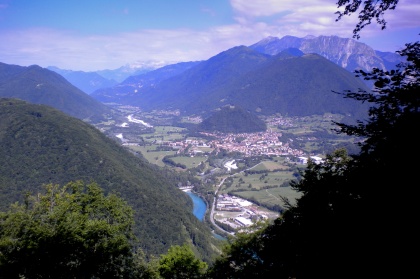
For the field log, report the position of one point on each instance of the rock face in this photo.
(347, 53)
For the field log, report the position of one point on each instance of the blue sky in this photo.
(91, 35)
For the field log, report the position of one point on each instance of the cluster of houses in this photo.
(249, 144)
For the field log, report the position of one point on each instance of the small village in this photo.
(249, 144)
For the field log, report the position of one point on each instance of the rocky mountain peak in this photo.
(345, 52)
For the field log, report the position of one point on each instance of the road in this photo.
(213, 206)
(215, 199)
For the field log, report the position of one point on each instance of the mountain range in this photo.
(291, 83)
(291, 75)
(133, 83)
(89, 82)
(347, 53)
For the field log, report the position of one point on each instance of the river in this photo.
(199, 209)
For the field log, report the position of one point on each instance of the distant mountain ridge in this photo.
(193, 89)
(88, 82)
(347, 53)
(42, 86)
(132, 84)
(132, 69)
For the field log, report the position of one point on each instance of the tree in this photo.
(181, 263)
(371, 9)
(69, 232)
(302, 243)
(386, 165)
(242, 257)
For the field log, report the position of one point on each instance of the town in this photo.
(249, 144)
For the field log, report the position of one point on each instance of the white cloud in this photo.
(255, 20)
(259, 8)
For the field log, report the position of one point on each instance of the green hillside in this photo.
(233, 120)
(298, 86)
(40, 145)
(41, 86)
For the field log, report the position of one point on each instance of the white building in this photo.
(243, 221)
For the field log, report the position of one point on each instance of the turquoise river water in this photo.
(200, 207)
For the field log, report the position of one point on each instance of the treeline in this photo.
(168, 160)
(76, 231)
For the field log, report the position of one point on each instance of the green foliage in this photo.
(371, 10)
(241, 258)
(181, 263)
(73, 231)
(168, 160)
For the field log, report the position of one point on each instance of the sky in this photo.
(92, 35)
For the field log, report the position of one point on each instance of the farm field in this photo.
(149, 152)
(267, 183)
(189, 162)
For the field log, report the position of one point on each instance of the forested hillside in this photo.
(41, 145)
(232, 120)
(41, 86)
